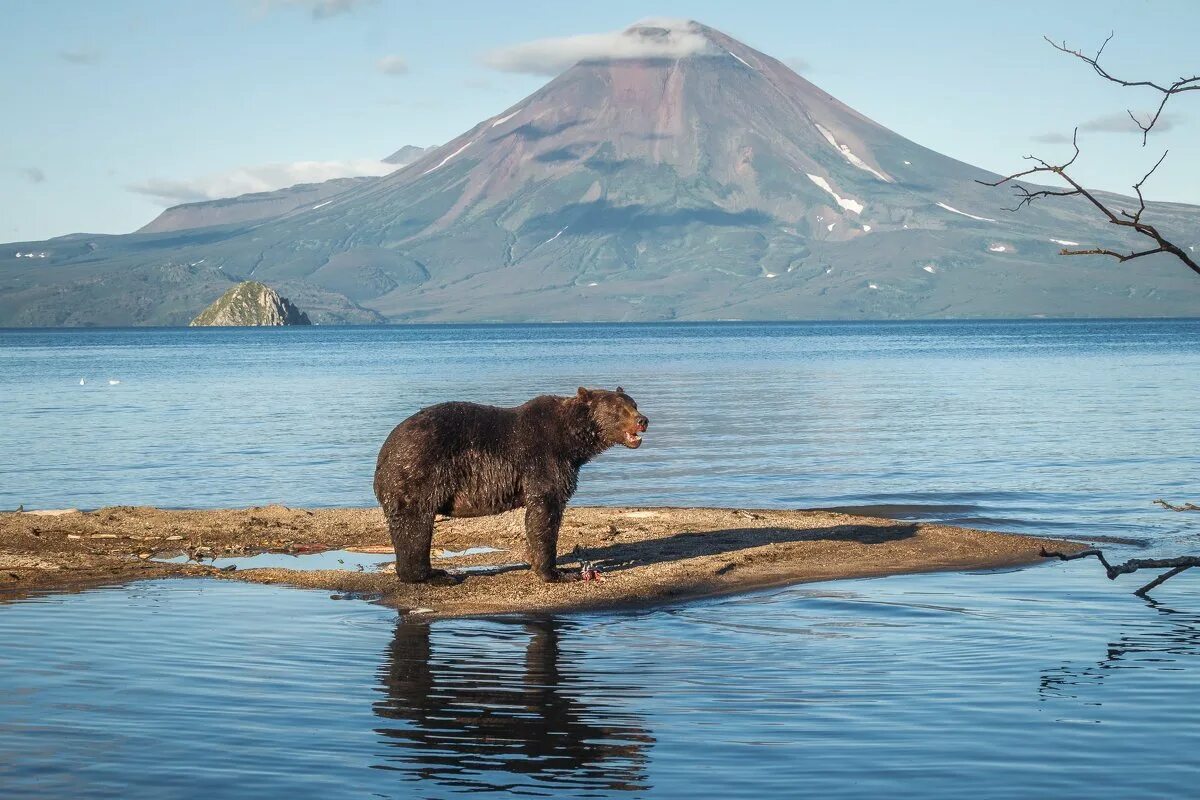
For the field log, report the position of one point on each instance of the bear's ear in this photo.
(584, 394)
(620, 390)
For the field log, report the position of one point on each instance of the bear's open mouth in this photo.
(633, 439)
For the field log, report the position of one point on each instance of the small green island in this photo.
(250, 304)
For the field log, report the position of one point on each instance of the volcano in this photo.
(696, 180)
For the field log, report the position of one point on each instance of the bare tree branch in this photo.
(1174, 565)
(1191, 84)
(1184, 507)
(1120, 218)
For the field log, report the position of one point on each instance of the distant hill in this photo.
(264, 205)
(250, 304)
(717, 184)
(407, 154)
(247, 207)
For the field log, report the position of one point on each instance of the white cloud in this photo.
(82, 56)
(1122, 123)
(1113, 123)
(392, 65)
(651, 38)
(797, 65)
(1051, 138)
(320, 9)
(262, 178)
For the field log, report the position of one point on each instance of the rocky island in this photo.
(249, 304)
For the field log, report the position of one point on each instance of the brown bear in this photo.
(470, 460)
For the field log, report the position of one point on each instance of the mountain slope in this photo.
(713, 185)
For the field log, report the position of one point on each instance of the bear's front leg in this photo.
(543, 516)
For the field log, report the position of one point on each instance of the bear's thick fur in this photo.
(469, 460)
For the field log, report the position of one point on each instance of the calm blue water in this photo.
(1048, 682)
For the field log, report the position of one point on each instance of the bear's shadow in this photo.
(694, 544)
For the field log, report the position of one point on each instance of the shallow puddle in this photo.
(350, 560)
(470, 551)
(304, 562)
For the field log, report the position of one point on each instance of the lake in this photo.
(1047, 681)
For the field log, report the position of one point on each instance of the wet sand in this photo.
(646, 556)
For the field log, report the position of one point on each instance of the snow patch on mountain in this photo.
(447, 158)
(505, 118)
(845, 202)
(849, 155)
(739, 58)
(964, 213)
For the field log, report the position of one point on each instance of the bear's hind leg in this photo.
(412, 536)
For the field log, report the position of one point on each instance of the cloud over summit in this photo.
(650, 38)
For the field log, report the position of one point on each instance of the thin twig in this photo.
(1191, 84)
(1166, 576)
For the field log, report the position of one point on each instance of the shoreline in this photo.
(647, 556)
(403, 324)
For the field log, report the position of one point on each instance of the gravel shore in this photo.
(645, 556)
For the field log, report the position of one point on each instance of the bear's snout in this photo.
(633, 439)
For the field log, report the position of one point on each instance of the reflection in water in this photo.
(906, 687)
(1159, 644)
(481, 717)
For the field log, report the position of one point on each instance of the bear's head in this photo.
(616, 416)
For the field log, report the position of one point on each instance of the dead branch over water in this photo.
(1173, 565)
(1170, 507)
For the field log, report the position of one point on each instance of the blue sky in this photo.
(113, 108)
